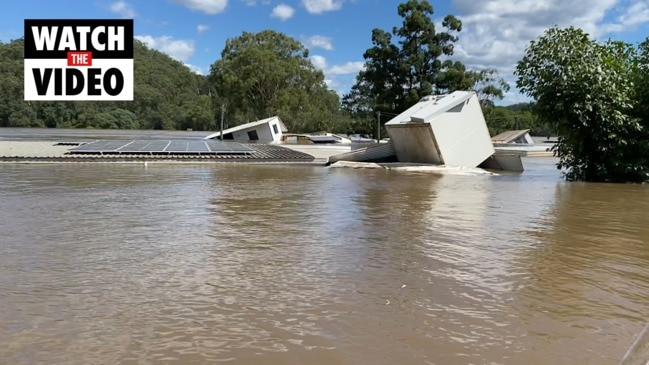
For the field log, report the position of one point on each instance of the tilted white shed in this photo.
(442, 129)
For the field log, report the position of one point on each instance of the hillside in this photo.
(167, 95)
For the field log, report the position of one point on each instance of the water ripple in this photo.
(274, 264)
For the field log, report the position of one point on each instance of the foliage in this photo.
(268, 73)
(585, 90)
(167, 95)
(640, 78)
(515, 117)
(399, 72)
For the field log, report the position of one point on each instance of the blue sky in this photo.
(337, 32)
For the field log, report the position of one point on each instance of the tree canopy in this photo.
(268, 73)
(167, 95)
(595, 96)
(411, 62)
(259, 75)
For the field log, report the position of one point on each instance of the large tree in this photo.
(585, 89)
(641, 83)
(268, 73)
(411, 62)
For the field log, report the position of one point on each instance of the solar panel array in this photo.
(152, 147)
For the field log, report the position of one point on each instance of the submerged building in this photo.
(448, 130)
(442, 130)
(269, 130)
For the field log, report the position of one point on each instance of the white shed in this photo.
(267, 130)
(442, 129)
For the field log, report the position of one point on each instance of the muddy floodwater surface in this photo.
(196, 264)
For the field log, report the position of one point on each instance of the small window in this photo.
(275, 129)
(252, 135)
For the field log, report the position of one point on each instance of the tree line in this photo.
(269, 73)
(593, 95)
(167, 95)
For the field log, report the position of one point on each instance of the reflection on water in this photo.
(273, 264)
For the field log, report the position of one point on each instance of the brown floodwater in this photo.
(243, 264)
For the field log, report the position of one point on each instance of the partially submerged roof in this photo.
(509, 136)
(161, 147)
(249, 125)
(432, 106)
(321, 137)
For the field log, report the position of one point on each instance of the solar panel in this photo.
(154, 146)
(177, 146)
(216, 145)
(133, 146)
(197, 147)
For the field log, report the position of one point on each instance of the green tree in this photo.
(14, 112)
(199, 114)
(398, 75)
(268, 73)
(584, 89)
(23, 116)
(167, 95)
(411, 62)
(641, 83)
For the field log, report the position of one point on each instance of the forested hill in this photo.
(516, 116)
(270, 73)
(167, 95)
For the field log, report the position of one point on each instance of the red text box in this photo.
(79, 58)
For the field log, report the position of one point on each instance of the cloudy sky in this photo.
(337, 32)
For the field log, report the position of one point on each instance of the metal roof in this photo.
(430, 107)
(509, 136)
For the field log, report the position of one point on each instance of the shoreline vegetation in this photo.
(593, 95)
(169, 96)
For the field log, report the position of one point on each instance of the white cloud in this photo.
(635, 14)
(178, 49)
(337, 77)
(321, 6)
(196, 69)
(202, 28)
(346, 68)
(206, 6)
(282, 12)
(334, 85)
(319, 62)
(495, 33)
(319, 41)
(123, 9)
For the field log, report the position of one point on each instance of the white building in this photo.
(267, 130)
(443, 130)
